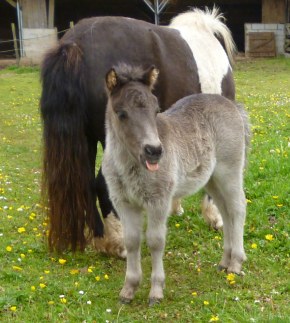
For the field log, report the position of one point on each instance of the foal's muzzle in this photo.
(153, 153)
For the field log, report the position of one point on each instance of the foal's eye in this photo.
(122, 115)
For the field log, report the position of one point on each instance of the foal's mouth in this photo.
(153, 167)
(151, 156)
(150, 164)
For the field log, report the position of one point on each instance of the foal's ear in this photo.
(151, 76)
(111, 79)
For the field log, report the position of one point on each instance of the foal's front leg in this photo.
(132, 220)
(156, 236)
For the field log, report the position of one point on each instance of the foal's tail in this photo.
(67, 177)
(247, 130)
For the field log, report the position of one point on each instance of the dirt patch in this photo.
(13, 62)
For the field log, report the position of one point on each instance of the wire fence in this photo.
(11, 41)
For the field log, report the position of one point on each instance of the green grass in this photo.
(32, 281)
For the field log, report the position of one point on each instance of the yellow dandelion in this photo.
(90, 270)
(17, 268)
(74, 271)
(194, 293)
(177, 225)
(30, 251)
(279, 205)
(22, 255)
(248, 201)
(50, 302)
(106, 276)
(47, 272)
(63, 300)
(62, 261)
(33, 288)
(9, 248)
(231, 277)
(205, 303)
(13, 308)
(41, 285)
(269, 237)
(214, 318)
(254, 246)
(198, 270)
(97, 278)
(275, 197)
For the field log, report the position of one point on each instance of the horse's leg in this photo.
(211, 213)
(113, 241)
(103, 195)
(156, 236)
(227, 192)
(132, 221)
(177, 207)
(213, 190)
(92, 151)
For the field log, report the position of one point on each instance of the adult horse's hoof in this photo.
(211, 213)
(113, 241)
(153, 301)
(124, 300)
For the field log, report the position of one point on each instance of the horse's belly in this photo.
(192, 181)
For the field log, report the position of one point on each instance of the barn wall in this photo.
(277, 29)
(274, 11)
(36, 42)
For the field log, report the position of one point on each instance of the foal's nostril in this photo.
(153, 151)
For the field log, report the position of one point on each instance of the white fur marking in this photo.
(211, 59)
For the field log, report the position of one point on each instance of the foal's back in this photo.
(201, 132)
(203, 117)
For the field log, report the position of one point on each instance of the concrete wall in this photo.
(277, 29)
(36, 42)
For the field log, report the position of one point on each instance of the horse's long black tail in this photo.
(68, 181)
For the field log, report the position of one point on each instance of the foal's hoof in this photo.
(124, 300)
(221, 268)
(153, 301)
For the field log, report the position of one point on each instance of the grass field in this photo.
(36, 286)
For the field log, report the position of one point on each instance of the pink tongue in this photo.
(152, 167)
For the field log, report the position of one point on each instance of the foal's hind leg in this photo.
(228, 195)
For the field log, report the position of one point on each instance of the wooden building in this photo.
(41, 22)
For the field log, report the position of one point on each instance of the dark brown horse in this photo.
(193, 55)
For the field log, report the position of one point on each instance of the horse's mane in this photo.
(213, 21)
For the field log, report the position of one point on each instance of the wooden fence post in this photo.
(15, 43)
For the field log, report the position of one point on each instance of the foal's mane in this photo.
(129, 73)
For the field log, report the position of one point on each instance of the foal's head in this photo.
(132, 111)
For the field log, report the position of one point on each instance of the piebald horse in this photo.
(193, 55)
